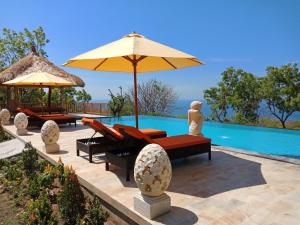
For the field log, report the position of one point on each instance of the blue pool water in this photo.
(257, 139)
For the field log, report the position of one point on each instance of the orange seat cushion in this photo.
(29, 112)
(56, 117)
(153, 132)
(132, 131)
(101, 128)
(180, 141)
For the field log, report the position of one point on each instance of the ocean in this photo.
(182, 106)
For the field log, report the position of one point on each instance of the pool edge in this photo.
(256, 154)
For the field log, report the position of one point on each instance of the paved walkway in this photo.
(233, 188)
(11, 148)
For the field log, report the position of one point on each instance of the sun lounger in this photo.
(176, 146)
(111, 139)
(180, 146)
(35, 119)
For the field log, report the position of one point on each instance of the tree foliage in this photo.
(239, 90)
(83, 96)
(154, 97)
(15, 45)
(281, 91)
(217, 100)
(244, 95)
(116, 102)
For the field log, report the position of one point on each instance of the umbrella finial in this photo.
(134, 34)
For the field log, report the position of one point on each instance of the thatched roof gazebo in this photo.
(33, 62)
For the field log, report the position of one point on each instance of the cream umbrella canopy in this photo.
(43, 79)
(136, 54)
(40, 79)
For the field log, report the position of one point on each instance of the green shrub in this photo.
(95, 215)
(3, 163)
(34, 187)
(30, 159)
(60, 172)
(42, 164)
(47, 176)
(39, 212)
(71, 200)
(3, 135)
(13, 173)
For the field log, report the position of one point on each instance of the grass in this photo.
(294, 124)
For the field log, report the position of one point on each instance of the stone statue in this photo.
(152, 174)
(195, 118)
(4, 116)
(50, 134)
(21, 122)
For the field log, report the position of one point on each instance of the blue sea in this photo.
(182, 106)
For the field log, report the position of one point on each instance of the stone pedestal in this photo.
(21, 131)
(152, 207)
(52, 148)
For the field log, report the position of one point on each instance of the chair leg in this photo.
(209, 155)
(78, 154)
(90, 157)
(127, 174)
(107, 166)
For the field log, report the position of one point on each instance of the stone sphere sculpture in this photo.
(152, 170)
(4, 116)
(50, 135)
(21, 123)
(195, 118)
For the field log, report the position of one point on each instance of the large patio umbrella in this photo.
(133, 53)
(40, 79)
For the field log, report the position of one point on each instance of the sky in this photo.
(245, 34)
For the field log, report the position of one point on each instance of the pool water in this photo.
(258, 139)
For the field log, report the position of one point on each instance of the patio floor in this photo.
(233, 188)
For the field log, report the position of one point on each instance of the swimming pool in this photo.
(258, 139)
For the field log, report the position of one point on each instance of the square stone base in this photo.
(53, 148)
(152, 207)
(21, 131)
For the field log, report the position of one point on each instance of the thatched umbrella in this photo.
(33, 62)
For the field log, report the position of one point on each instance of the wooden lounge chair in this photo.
(35, 119)
(176, 146)
(180, 146)
(111, 139)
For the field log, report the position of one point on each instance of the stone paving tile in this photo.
(11, 148)
(233, 188)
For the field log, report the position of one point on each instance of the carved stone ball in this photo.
(196, 105)
(21, 121)
(50, 132)
(4, 116)
(152, 170)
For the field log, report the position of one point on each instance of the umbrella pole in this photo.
(135, 98)
(49, 98)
